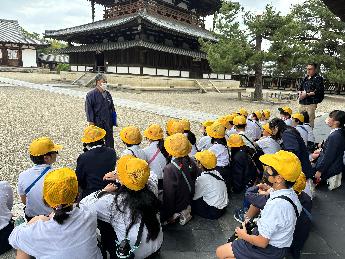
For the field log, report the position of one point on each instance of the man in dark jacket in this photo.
(100, 110)
(311, 92)
(95, 162)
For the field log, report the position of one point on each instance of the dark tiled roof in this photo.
(131, 44)
(51, 58)
(11, 32)
(110, 23)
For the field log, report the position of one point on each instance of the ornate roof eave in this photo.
(160, 21)
(130, 44)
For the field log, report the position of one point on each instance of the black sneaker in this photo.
(239, 215)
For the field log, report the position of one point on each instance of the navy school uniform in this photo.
(92, 166)
(99, 108)
(243, 171)
(330, 161)
(293, 142)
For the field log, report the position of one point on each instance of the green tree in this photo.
(312, 34)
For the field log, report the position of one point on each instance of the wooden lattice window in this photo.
(12, 54)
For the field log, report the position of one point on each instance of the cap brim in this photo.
(57, 147)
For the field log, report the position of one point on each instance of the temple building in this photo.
(143, 37)
(16, 48)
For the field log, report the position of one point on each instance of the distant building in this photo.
(144, 37)
(16, 49)
(51, 61)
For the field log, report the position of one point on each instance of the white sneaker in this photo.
(185, 215)
(334, 181)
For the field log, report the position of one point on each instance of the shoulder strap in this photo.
(301, 126)
(215, 176)
(243, 135)
(140, 234)
(27, 190)
(290, 201)
(132, 152)
(183, 174)
(310, 217)
(154, 156)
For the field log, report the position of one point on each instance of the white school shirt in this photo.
(6, 203)
(106, 211)
(157, 164)
(248, 141)
(258, 130)
(303, 132)
(229, 132)
(204, 143)
(76, 238)
(212, 190)
(311, 136)
(278, 218)
(136, 151)
(268, 145)
(34, 199)
(251, 129)
(222, 154)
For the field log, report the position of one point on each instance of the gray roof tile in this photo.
(160, 21)
(11, 32)
(131, 44)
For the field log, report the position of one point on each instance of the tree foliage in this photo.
(308, 33)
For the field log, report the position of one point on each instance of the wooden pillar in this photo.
(93, 10)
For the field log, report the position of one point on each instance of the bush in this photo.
(62, 67)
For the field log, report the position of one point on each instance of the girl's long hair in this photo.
(339, 116)
(142, 205)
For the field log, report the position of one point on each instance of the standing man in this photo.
(100, 110)
(311, 92)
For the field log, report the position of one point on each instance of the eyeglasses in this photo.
(268, 174)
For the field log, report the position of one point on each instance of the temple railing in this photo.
(154, 8)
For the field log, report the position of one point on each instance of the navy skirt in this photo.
(244, 250)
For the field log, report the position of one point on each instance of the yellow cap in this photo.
(235, 140)
(60, 187)
(131, 135)
(42, 146)
(285, 109)
(267, 114)
(169, 125)
(267, 128)
(298, 116)
(258, 114)
(243, 112)
(240, 120)
(300, 183)
(225, 122)
(185, 124)
(93, 134)
(133, 172)
(207, 158)
(207, 123)
(177, 145)
(230, 117)
(216, 130)
(154, 132)
(285, 163)
(177, 127)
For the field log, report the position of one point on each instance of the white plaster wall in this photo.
(134, 70)
(184, 73)
(29, 58)
(174, 73)
(74, 68)
(162, 72)
(111, 69)
(149, 71)
(122, 70)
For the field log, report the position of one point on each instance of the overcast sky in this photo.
(40, 15)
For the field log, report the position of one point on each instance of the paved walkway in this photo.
(200, 237)
(125, 103)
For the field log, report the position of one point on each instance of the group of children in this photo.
(175, 177)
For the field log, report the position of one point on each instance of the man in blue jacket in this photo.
(100, 110)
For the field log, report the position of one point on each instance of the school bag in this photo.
(255, 154)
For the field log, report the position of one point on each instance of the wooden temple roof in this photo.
(160, 21)
(131, 44)
(11, 32)
(206, 7)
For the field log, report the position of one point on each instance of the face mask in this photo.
(265, 179)
(104, 86)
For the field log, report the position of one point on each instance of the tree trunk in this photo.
(258, 70)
